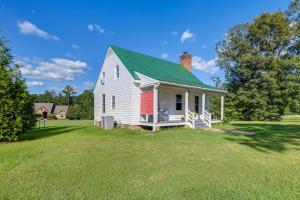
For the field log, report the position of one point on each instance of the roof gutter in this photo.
(189, 86)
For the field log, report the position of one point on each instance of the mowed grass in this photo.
(75, 160)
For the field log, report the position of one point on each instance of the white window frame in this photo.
(117, 72)
(103, 103)
(113, 102)
(103, 78)
(178, 102)
(197, 104)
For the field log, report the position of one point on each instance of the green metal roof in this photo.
(156, 68)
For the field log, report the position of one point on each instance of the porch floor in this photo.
(171, 123)
(164, 123)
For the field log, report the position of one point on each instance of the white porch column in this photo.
(222, 107)
(155, 107)
(186, 105)
(203, 104)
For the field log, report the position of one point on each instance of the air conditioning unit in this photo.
(107, 122)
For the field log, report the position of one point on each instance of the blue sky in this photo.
(64, 42)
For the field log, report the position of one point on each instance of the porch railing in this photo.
(207, 118)
(191, 118)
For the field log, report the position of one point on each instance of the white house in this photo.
(141, 90)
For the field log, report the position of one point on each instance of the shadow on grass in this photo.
(269, 137)
(38, 133)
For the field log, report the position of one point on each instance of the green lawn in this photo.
(74, 160)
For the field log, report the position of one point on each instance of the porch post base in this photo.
(155, 128)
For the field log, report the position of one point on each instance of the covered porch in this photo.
(167, 104)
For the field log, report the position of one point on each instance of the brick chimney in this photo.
(186, 60)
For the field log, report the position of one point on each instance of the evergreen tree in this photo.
(16, 110)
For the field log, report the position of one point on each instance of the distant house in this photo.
(60, 112)
(44, 110)
(141, 90)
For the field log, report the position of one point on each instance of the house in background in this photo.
(45, 110)
(60, 112)
(141, 90)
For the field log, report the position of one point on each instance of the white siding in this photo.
(124, 90)
(135, 105)
(145, 80)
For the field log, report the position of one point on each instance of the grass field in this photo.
(74, 160)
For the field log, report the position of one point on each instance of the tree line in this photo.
(80, 106)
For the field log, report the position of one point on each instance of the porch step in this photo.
(200, 124)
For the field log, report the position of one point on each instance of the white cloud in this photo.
(57, 69)
(95, 27)
(174, 33)
(205, 66)
(34, 84)
(90, 27)
(88, 84)
(75, 46)
(99, 28)
(187, 35)
(164, 55)
(27, 28)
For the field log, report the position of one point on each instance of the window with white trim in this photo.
(196, 104)
(102, 78)
(178, 102)
(103, 103)
(113, 102)
(117, 72)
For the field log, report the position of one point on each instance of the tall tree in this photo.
(261, 67)
(69, 91)
(293, 14)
